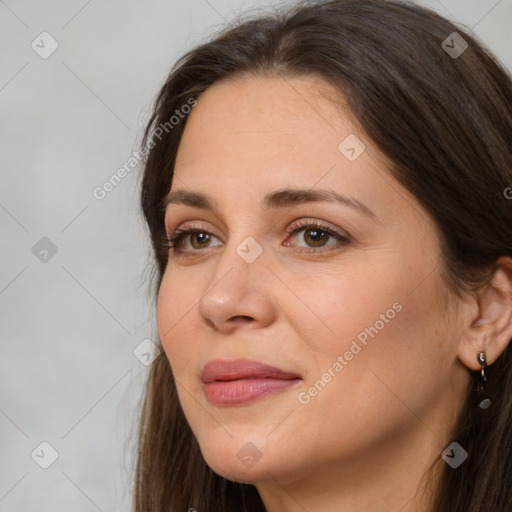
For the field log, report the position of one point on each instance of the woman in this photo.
(326, 194)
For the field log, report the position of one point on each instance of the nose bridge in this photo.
(237, 287)
(241, 262)
(243, 247)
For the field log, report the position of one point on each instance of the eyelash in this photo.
(174, 239)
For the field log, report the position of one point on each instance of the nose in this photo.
(238, 294)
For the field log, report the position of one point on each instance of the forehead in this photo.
(283, 94)
(280, 115)
(252, 135)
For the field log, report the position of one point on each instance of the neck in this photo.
(395, 476)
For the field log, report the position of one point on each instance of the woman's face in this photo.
(350, 303)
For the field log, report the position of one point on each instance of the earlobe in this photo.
(491, 330)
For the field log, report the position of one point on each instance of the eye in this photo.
(186, 241)
(316, 235)
(195, 236)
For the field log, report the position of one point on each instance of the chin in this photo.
(245, 466)
(245, 458)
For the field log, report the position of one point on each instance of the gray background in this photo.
(71, 321)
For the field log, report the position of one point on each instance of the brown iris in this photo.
(317, 236)
(201, 238)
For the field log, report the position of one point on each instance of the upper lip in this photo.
(226, 370)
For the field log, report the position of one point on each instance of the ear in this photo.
(490, 331)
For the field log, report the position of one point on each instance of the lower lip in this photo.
(242, 391)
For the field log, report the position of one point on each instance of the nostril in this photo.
(242, 318)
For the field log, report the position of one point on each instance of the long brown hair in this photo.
(444, 121)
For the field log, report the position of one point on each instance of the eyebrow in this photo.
(278, 199)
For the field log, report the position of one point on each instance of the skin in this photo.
(367, 438)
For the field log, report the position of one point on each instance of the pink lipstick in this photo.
(239, 381)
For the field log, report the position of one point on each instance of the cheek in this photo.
(331, 309)
(175, 311)
(389, 381)
(387, 331)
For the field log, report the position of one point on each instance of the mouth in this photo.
(237, 382)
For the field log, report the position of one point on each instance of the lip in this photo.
(239, 381)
